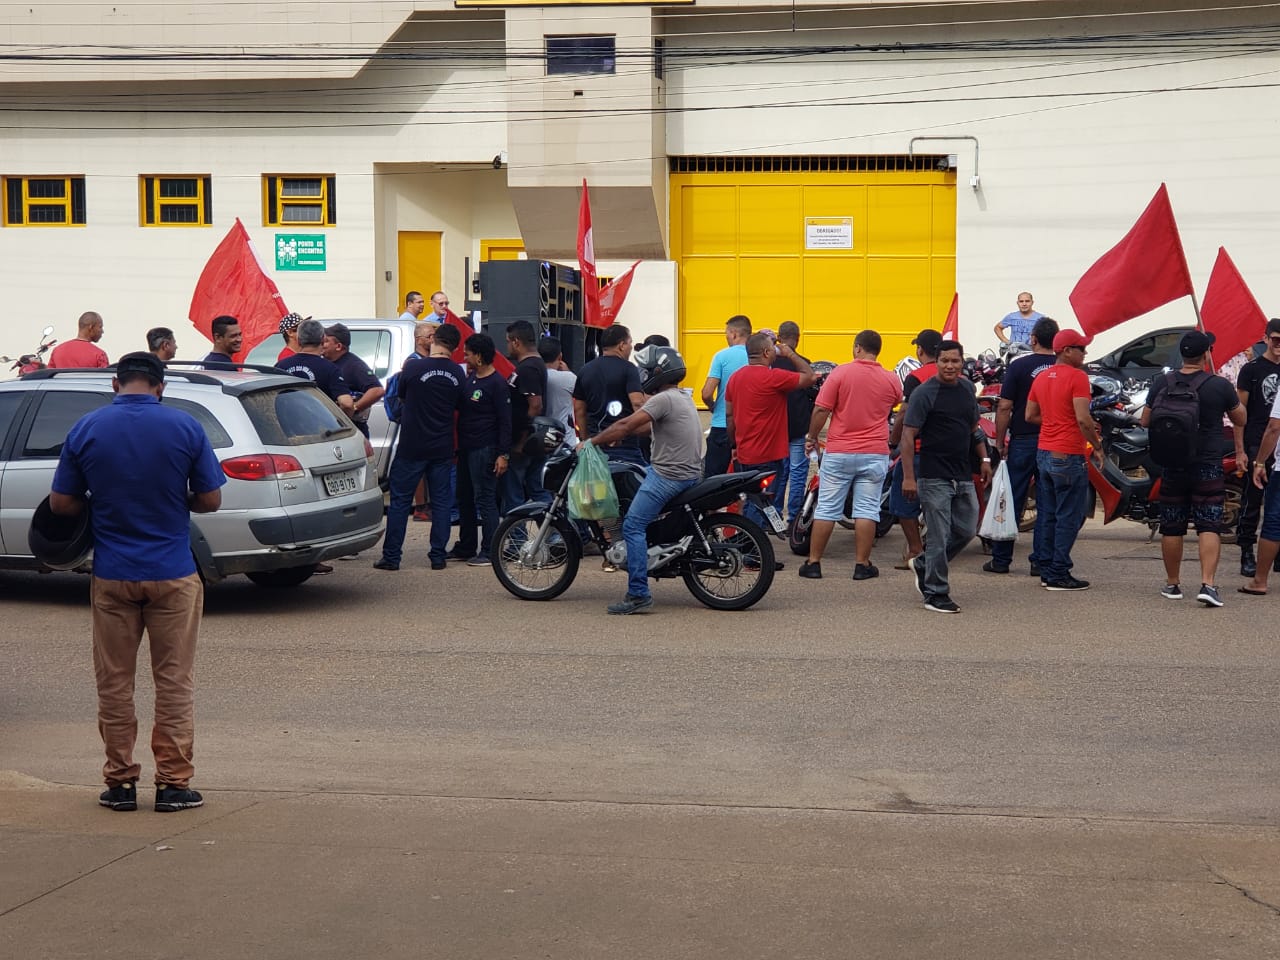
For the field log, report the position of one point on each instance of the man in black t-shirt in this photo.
(484, 437)
(794, 475)
(1257, 387)
(1196, 493)
(366, 389)
(432, 390)
(523, 480)
(608, 390)
(943, 413)
(308, 364)
(1019, 450)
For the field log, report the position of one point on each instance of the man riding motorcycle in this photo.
(676, 462)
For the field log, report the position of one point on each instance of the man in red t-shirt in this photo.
(755, 407)
(1059, 403)
(83, 351)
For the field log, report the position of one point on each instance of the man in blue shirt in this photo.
(309, 364)
(149, 467)
(1016, 327)
(724, 364)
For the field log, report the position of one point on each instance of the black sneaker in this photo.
(383, 564)
(1035, 569)
(437, 564)
(459, 555)
(942, 604)
(917, 572)
(1248, 562)
(629, 605)
(172, 799)
(123, 796)
(992, 567)
(811, 571)
(1066, 583)
(1208, 595)
(865, 571)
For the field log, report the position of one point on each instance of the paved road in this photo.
(415, 764)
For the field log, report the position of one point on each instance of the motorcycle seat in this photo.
(710, 485)
(1135, 435)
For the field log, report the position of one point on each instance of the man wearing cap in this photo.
(289, 332)
(1196, 493)
(1022, 444)
(1016, 327)
(414, 304)
(149, 466)
(226, 343)
(907, 510)
(1257, 388)
(309, 364)
(366, 389)
(1059, 404)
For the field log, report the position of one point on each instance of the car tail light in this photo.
(263, 466)
(368, 451)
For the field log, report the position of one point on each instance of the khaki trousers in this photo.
(169, 610)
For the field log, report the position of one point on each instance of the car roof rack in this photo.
(198, 375)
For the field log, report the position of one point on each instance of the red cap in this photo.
(1070, 338)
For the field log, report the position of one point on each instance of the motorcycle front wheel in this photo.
(739, 570)
(540, 574)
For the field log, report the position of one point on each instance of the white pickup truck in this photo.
(384, 345)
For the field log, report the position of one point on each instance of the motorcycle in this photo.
(1128, 485)
(800, 527)
(725, 559)
(31, 362)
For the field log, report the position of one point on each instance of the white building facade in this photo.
(840, 164)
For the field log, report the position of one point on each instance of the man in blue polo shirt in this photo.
(149, 467)
(724, 365)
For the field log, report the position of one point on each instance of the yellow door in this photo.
(505, 249)
(418, 262)
(858, 244)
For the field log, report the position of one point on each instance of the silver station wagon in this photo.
(302, 483)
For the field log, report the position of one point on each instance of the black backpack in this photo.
(1174, 427)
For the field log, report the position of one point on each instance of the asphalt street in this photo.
(416, 764)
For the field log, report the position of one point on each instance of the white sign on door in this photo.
(828, 233)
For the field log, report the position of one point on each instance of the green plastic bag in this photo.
(591, 493)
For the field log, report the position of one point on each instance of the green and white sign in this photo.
(300, 251)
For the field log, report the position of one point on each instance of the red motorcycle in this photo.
(31, 362)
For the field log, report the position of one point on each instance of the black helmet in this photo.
(659, 366)
(61, 543)
(546, 434)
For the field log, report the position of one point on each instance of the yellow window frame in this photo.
(199, 201)
(274, 200)
(65, 202)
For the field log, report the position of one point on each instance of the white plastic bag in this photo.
(999, 521)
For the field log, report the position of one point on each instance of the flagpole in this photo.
(1195, 305)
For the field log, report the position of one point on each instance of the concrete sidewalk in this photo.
(320, 875)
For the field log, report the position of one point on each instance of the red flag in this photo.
(500, 361)
(1145, 270)
(951, 328)
(234, 284)
(613, 293)
(1229, 311)
(587, 265)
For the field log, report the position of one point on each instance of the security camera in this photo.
(499, 159)
(949, 162)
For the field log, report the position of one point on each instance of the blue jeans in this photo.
(403, 480)
(523, 481)
(654, 494)
(477, 491)
(1021, 461)
(1064, 491)
(951, 511)
(792, 478)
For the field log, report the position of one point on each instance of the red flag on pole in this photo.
(1145, 270)
(613, 293)
(587, 264)
(500, 361)
(1230, 311)
(951, 328)
(233, 283)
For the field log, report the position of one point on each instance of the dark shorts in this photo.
(1194, 495)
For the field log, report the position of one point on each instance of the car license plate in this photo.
(340, 483)
(775, 518)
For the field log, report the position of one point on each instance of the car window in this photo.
(294, 416)
(58, 413)
(266, 352)
(10, 403)
(217, 434)
(374, 348)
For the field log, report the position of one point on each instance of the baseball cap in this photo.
(340, 333)
(290, 321)
(929, 340)
(140, 362)
(1070, 338)
(1196, 343)
(1273, 325)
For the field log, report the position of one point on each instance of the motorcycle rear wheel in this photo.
(800, 529)
(740, 570)
(547, 574)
